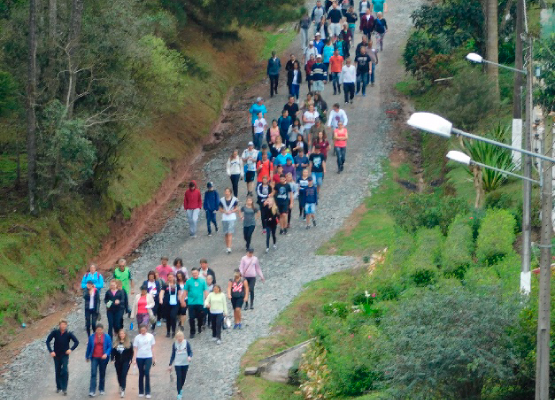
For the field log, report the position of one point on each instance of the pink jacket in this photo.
(250, 267)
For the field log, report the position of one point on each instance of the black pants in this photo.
(122, 368)
(288, 217)
(217, 322)
(60, 367)
(171, 318)
(156, 311)
(273, 84)
(180, 375)
(247, 234)
(114, 321)
(349, 90)
(235, 183)
(302, 202)
(252, 282)
(195, 313)
(144, 365)
(90, 320)
(270, 230)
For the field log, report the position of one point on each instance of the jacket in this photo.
(96, 278)
(87, 296)
(61, 342)
(158, 287)
(367, 23)
(274, 65)
(212, 200)
(290, 76)
(107, 346)
(125, 357)
(149, 303)
(192, 199)
(318, 72)
(318, 13)
(113, 297)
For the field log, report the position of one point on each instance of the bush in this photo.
(427, 211)
(458, 248)
(495, 237)
(448, 345)
(422, 265)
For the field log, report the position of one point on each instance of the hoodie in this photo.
(211, 200)
(192, 199)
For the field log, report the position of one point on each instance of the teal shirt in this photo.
(255, 109)
(378, 5)
(195, 291)
(328, 52)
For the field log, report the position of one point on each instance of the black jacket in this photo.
(122, 355)
(166, 290)
(61, 342)
(158, 288)
(113, 297)
(87, 296)
(209, 271)
(290, 76)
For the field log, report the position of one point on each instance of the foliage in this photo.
(545, 94)
(458, 248)
(493, 156)
(423, 263)
(437, 347)
(426, 210)
(495, 237)
(425, 56)
(8, 93)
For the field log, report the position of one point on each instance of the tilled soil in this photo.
(287, 269)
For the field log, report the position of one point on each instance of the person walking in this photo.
(248, 216)
(142, 306)
(349, 78)
(318, 12)
(317, 166)
(270, 218)
(182, 355)
(363, 63)
(381, 28)
(327, 53)
(212, 200)
(301, 163)
(195, 292)
(60, 351)
(379, 6)
(154, 288)
(362, 7)
(309, 119)
(238, 293)
(284, 201)
(309, 52)
(367, 23)
(234, 169)
(284, 122)
(115, 305)
(304, 25)
(351, 19)
(321, 139)
(143, 354)
(373, 53)
(318, 75)
(98, 352)
(92, 306)
(337, 115)
(292, 108)
(363, 43)
(123, 274)
(164, 269)
(250, 156)
(290, 62)
(318, 43)
(256, 109)
(335, 16)
(216, 302)
(272, 70)
(192, 203)
(170, 297)
(322, 29)
(336, 64)
(180, 280)
(340, 137)
(122, 356)
(94, 276)
(228, 208)
(294, 80)
(311, 201)
(303, 183)
(205, 271)
(250, 269)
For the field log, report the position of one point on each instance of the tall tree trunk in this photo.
(31, 103)
(75, 24)
(50, 74)
(492, 47)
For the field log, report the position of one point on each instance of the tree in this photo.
(75, 23)
(492, 42)
(31, 104)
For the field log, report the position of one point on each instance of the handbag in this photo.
(227, 322)
(151, 316)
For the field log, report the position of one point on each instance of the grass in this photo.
(278, 41)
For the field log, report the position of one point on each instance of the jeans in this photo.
(341, 152)
(217, 322)
(234, 184)
(270, 230)
(90, 320)
(258, 139)
(247, 234)
(114, 321)
(121, 370)
(60, 367)
(349, 89)
(295, 90)
(211, 219)
(195, 313)
(274, 80)
(335, 80)
(362, 80)
(99, 364)
(171, 318)
(372, 73)
(144, 365)
(304, 38)
(252, 282)
(192, 217)
(180, 376)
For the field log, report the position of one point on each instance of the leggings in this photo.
(270, 230)
(171, 318)
(181, 375)
(247, 234)
(235, 183)
(121, 370)
(252, 282)
(143, 365)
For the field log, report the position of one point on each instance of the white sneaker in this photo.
(148, 396)
(275, 247)
(214, 339)
(141, 395)
(122, 394)
(228, 250)
(267, 249)
(91, 394)
(218, 342)
(102, 393)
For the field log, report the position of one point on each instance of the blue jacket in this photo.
(211, 200)
(107, 346)
(96, 278)
(273, 66)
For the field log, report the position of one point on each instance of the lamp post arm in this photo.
(505, 66)
(506, 146)
(472, 162)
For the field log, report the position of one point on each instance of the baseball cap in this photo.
(317, 34)
(209, 185)
(250, 250)
(251, 144)
(319, 56)
(309, 178)
(311, 42)
(259, 99)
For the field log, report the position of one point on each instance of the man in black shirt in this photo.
(289, 65)
(317, 167)
(363, 62)
(292, 108)
(364, 43)
(60, 353)
(335, 16)
(284, 202)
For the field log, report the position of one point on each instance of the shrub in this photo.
(508, 271)
(422, 265)
(336, 308)
(495, 237)
(458, 248)
(448, 345)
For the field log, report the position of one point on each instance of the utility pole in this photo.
(518, 82)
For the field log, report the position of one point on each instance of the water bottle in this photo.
(131, 326)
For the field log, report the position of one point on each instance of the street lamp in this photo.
(478, 59)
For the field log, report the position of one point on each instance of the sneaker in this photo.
(346, 102)
(314, 222)
(267, 249)
(228, 250)
(364, 95)
(216, 229)
(92, 394)
(141, 395)
(159, 323)
(168, 334)
(235, 326)
(334, 92)
(148, 396)
(58, 390)
(173, 335)
(192, 336)
(213, 339)
(218, 341)
(246, 306)
(209, 235)
(65, 393)
(252, 307)
(102, 393)
(372, 84)
(308, 227)
(122, 394)
(179, 397)
(239, 326)
(275, 246)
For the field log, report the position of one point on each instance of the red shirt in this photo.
(341, 134)
(323, 147)
(336, 63)
(267, 167)
(141, 305)
(164, 271)
(276, 178)
(98, 350)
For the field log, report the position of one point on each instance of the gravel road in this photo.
(287, 269)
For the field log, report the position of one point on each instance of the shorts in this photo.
(237, 302)
(283, 208)
(318, 178)
(318, 86)
(310, 208)
(182, 310)
(228, 226)
(249, 176)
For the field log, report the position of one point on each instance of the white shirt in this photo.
(348, 74)
(310, 50)
(144, 344)
(231, 206)
(234, 166)
(152, 288)
(310, 118)
(295, 76)
(253, 155)
(259, 125)
(91, 300)
(336, 117)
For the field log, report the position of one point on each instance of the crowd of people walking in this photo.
(284, 163)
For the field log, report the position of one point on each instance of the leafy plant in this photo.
(458, 248)
(422, 265)
(495, 237)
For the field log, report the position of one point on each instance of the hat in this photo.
(317, 34)
(311, 42)
(209, 185)
(319, 56)
(250, 250)
(251, 144)
(259, 99)
(309, 178)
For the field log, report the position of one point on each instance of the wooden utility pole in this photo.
(492, 45)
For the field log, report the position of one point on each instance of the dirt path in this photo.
(215, 367)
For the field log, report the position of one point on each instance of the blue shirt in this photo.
(282, 159)
(255, 109)
(327, 53)
(298, 161)
(319, 46)
(378, 5)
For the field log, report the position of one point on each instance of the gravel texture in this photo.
(287, 269)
